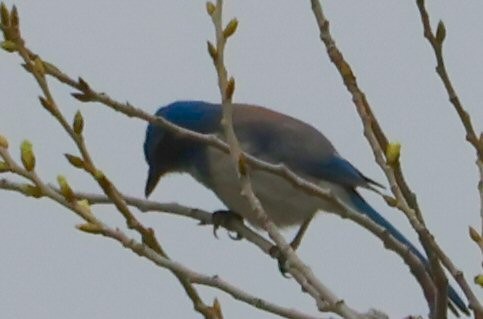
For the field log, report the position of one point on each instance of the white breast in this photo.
(285, 204)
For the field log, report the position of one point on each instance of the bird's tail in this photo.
(362, 206)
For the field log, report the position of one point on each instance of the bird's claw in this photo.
(215, 228)
(282, 261)
(237, 236)
(225, 218)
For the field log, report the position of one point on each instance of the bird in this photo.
(272, 137)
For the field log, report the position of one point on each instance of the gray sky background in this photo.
(153, 52)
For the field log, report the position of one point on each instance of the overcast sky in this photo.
(154, 52)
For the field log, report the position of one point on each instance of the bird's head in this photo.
(159, 156)
(166, 151)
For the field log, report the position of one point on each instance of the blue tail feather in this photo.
(362, 206)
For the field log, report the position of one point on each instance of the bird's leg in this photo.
(295, 243)
(226, 218)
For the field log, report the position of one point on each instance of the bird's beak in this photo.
(152, 181)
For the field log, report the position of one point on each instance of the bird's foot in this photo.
(295, 243)
(276, 253)
(227, 219)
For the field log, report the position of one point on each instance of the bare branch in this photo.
(197, 278)
(379, 143)
(37, 69)
(436, 42)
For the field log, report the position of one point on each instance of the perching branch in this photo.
(144, 205)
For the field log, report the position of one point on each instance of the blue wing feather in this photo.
(338, 170)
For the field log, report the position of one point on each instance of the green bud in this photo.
(31, 190)
(393, 152)
(474, 235)
(210, 8)
(90, 228)
(14, 19)
(230, 88)
(217, 308)
(230, 28)
(212, 51)
(479, 280)
(5, 15)
(27, 155)
(242, 165)
(83, 85)
(9, 46)
(3, 142)
(75, 160)
(440, 32)
(391, 201)
(65, 189)
(47, 104)
(78, 124)
(84, 203)
(4, 167)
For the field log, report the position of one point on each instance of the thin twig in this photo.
(42, 189)
(379, 143)
(210, 281)
(436, 42)
(471, 136)
(38, 71)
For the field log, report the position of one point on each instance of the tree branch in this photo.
(436, 42)
(379, 143)
(36, 66)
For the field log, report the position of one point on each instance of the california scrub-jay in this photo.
(272, 137)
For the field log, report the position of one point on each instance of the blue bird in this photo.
(272, 137)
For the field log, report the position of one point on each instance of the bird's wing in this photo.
(278, 138)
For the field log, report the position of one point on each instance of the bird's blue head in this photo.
(165, 151)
